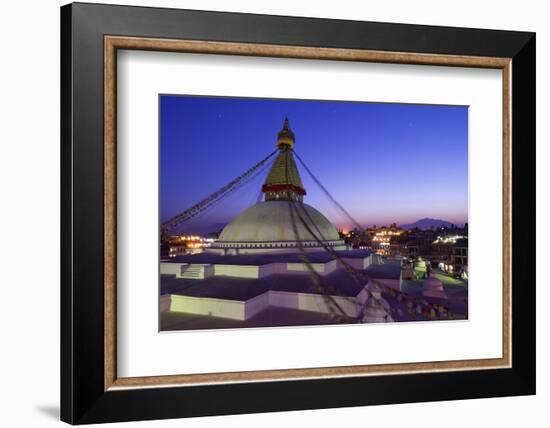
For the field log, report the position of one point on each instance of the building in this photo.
(460, 257)
(419, 243)
(451, 254)
(282, 223)
(387, 241)
(357, 238)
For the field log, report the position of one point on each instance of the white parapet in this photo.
(201, 271)
(172, 268)
(208, 306)
(320, 268)
(256, 305)
(223, 308)
(237, 271)
(313, 302)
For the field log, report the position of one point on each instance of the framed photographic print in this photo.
(265, 213)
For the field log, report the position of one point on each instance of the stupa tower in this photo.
(283, 183)
(275, 225)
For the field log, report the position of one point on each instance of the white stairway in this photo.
(192, 272)
(196, 271)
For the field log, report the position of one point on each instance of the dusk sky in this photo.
(383, 162)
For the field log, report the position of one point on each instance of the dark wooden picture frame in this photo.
(90, 389)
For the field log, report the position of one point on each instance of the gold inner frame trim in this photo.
(113, 43)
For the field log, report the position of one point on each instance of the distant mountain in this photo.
(427, 223)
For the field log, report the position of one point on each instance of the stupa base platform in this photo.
(243, 290)
(206, 265)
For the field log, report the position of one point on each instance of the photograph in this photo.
(275, 214)
(289, 212)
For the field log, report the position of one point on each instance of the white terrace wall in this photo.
(256, 305)
(320, 268)
(245, 310)
(312, 302)
(237, 271)
(272, 269)
(260, 271)
(172, 268)
(208, 306)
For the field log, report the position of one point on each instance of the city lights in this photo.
(180, 245)
(449, 239)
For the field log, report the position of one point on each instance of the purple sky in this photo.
(383, 162)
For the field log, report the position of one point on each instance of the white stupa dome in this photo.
(268, 227)
(272, 221)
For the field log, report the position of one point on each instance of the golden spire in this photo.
(285, 136)
(283, 181)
